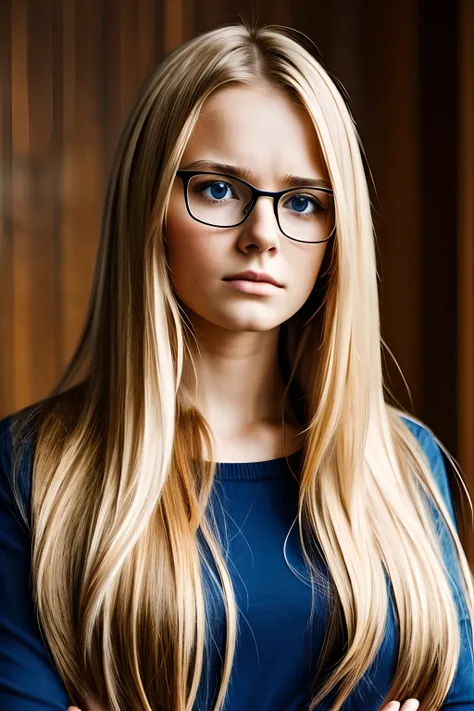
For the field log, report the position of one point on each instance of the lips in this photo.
(253, 276)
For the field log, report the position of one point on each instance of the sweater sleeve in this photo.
(29, 680)
(461, 694)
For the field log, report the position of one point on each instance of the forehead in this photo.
(256, 126)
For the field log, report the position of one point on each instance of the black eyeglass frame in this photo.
(186, 175)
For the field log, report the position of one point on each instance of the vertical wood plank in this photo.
(43, 199)
(82, 179)
(440, 180)
(149, 31)
(173, 21)
(111, 103)
(132, 45)
(57, 163)
(21, 317)
(6, 217)
(391, 137)
(137, 50)
(465, 263)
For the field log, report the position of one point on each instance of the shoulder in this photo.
(437, 458)
(16, 456)
(5, 452)
(440, 465)
(18, 438)
(5, 441)
(426, 438)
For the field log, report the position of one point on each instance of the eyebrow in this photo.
(244, 173)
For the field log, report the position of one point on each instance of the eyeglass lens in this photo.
(306, 214)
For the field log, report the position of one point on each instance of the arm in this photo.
(29, 680)
(461, 694)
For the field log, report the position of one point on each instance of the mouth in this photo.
(255, 277)
(249, 286)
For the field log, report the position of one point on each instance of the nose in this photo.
(262, 223)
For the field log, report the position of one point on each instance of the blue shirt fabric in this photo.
(277, 650)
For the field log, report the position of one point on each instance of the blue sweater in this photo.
(276, 652)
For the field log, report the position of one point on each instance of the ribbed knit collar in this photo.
(254, 471)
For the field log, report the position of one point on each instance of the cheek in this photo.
(177, 236)
(191, 253)
(306, 266)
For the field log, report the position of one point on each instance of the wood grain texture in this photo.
(465, 256)
(389, 63)
(7, 389)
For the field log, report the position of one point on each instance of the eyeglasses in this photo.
(220, 200)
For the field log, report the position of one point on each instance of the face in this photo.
(256, 128)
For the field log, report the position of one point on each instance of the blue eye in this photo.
(218, 189)
(300, 202)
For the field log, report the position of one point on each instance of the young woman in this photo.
(223, 509)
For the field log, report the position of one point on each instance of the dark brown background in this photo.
(69, 72)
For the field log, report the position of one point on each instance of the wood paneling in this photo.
(390, 130)
(69, 74)
(439, 86)
(7, 391)
(465, 256)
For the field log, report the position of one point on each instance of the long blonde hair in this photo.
(120, 485)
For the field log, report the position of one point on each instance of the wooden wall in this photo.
(69, 71)
(464, 365)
